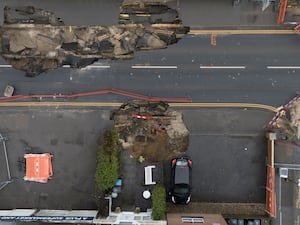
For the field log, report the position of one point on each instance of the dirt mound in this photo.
(151, 130)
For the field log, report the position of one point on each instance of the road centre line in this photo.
(222, 67)
(64, 66)
(283, 67)
(118, 104)
(97, 66)
(173, 67)
(152, 67)
(224, 32)
(89, 67)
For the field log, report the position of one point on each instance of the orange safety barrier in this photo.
(143, 117)
(270, 192)
(282, 9)
(38, 167)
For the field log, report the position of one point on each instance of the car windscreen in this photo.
(181, 163)
(181, 189)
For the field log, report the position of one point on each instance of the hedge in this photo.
(107, 171)
(158, 203)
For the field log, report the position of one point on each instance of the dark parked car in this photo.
(181, 180)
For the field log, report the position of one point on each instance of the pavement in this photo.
(70, 135)
(287, 155)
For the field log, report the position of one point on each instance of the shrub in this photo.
(107, 171)
(158, 202)
(109, 141)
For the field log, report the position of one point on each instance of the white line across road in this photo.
(222, 67)
(284, 67)
(5, 66)
(153, 67)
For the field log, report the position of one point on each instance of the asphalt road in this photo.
(79, 12)
(195, 13)
(248, 68)
(240, 68)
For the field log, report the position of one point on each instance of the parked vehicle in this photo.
(181, 180)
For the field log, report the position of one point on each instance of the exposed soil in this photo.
(151, 130)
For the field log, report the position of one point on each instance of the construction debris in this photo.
(151, 130)
(30, 15)
(147, 13)
(9, 91)
(286, 123)
(34, 40)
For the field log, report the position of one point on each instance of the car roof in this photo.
(182, 175)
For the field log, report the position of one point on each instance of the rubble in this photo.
(151, 130)
(27, 47)
(34, 40)
(147, 12)
(286, 123)
(30, 15)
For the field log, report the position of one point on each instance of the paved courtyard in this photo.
(228, 161)
(70, 135)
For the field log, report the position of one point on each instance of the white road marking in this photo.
(64, 66)
(283, 67)
(98, 66)
(222, 67)
(153, 67)
(88, 67)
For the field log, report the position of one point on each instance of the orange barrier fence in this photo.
(270, 192)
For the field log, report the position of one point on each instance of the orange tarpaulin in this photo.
(38, 167)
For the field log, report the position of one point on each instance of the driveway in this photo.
(228, 150)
